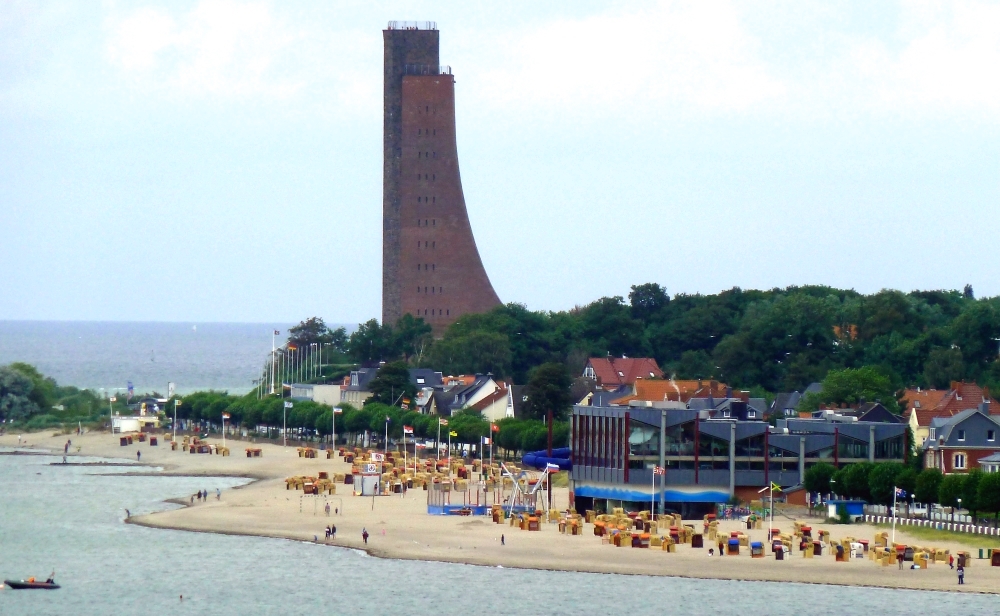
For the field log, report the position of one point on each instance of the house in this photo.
(990, 464)
(676, 391)
(922, 406)
(468, 395)
(354, 390)
(324, 394)
(869, 411)
(615, 373)
(497, 405)
(957, 443)
(787, 404)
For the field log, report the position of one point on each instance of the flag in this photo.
(486, 440)
(495, 428)
(551, 468)
(900, 493)
(407, 429)
(225, 415)
(178, 402)
(443, 422)
(113, 399)
(338, 410)
(288, 405)
(453, 433)
(277, 333)
(659, 470)
(775, 487)
(388, 419)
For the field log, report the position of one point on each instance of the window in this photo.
(434, 244)
(751, 414)
(991, 435)
(959, 461)
(420, 380)
(447, 312)
(588, 372)
(652, 376)
(434, 222)
(433, 267)
(621, 374)
(961, 435)
(418, 131)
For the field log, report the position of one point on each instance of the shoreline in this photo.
(401, 529)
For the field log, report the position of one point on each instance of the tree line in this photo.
(768, 341)
(976, 491)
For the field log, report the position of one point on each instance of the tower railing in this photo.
(426, 69)
(413, 25)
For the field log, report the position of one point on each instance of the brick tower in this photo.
(430, 264)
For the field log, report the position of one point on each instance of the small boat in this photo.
(26, 585)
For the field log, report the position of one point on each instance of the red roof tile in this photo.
(614, 372)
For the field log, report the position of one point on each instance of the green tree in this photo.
(413, 335)
(856, 476)
(988, 496)
(970, 491)
(851, 386)
(928, 486)
(951, 489)
(882, 481)
(372, 342)
(944, 366)
(648, 301)
(391, 384)
(15, 395)
(311, 331)
(548, 390)
(475, 352)
(817, 478)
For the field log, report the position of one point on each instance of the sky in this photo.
(213, 160)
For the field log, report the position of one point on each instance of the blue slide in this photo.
(538, 459)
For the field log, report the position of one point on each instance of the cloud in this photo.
(696, 55)
(721, 58)
(218, 48)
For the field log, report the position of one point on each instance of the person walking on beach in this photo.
(218, 494)
(961, 574)
(503, 540)
(364, 535)
(333, 531)
(951, 561)
(66, 447)
(138, 456)
(327, 509)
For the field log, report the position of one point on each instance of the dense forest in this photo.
(771, 341)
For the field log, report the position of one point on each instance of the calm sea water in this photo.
(194, 356)
(70, 519)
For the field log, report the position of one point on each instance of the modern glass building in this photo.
(710, 456)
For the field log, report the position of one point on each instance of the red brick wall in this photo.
(972, 458)
(441, 274)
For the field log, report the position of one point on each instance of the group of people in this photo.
(331, 531)
(202, 495)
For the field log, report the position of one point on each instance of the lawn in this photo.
(932, 534)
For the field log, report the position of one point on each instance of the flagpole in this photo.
(770, 518)
(274, 333)
(223, 429)
(894, 514)
(449, 452)
(437, 441)
(652, 498)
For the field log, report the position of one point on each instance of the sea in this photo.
(108, 355)
(71, 519)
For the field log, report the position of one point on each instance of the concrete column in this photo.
(732, 458)
(871, 443)
(802, 460)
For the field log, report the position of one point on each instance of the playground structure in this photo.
(541, 459)
(526, 494)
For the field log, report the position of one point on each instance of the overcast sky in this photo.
(221, 161)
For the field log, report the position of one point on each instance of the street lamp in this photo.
(953, 511)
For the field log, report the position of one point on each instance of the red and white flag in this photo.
(225, 415)
(486, 440)
(551, 468)
(443, 422)
(407, 429)
(495, 427)
(659, 470)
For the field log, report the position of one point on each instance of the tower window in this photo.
(435, 131)
(425, 289)
(448, 312)
(440, 289)
(434, 221)
(418, 131)
(434, 176)
(428, 108)
(434, 244)
(434, 199)
(418, 289)
(435, 154)
(420, 154)
(433, 267)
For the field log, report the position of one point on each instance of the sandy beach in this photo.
(400, 528)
